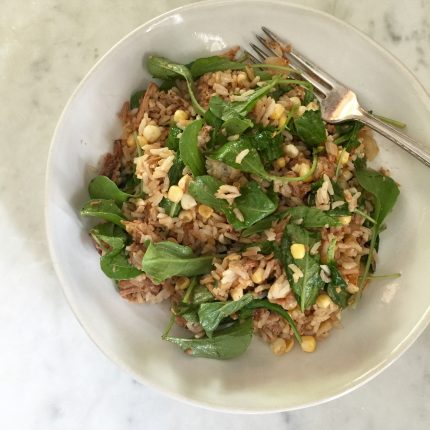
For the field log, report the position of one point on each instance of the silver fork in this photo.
(338, 102)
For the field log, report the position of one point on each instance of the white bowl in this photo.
(371, 337)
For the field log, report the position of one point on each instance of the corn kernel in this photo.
(323, 301)
(325, 327)
(291, 150)
(182, 283)
(344, 157)
(258, 276)
(175, 194)
(130, 141)
(301, 110)
(279, 346)
(187, 201)
(280, 163)
(298, 250)
(345, 220)
(180, 115)
(151, 133)
(183, 182)
(236, 293)
(295, 101)
(141, 141)
(304, 169)
(277, 112)
(205, 211)
(282, 121)
(186, 216)
(308, 344)
(289, 345)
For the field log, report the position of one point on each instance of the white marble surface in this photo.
(51, 375)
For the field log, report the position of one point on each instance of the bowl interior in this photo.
(371, 336)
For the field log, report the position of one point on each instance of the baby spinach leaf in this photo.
(163, 260)
(385, 193)
(101, 187)
(171, 209)
(250, 164)
(384, 190)
(211, 314)
(310, 128)
(253, 203)
(135, 99)
(172, 138)
(203, 189)
(348, 134)
(266, 247)
(187, 311)
(264, 303)
(269, 145)
(309, 285)
(109, 237)
(312, 217)
(189, 149)
(263, 225)
(165, 69)
(309, 96)
(213, 64)
(201, 295)
(223, 345)
(337, 287)
(175, 172)
(237, 125)
(104, 209)
(116, 266)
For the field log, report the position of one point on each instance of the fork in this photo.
(338, 102)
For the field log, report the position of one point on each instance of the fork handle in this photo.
(416, 149)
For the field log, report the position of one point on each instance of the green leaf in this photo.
(385, 193)
(201, 295)
(311, 218)
(171, 209)
(237, 125)
(266, 246)
(307, 287)
(337, 288)
(264, 303)
(172, 138)
(116, 266)
(189, 149)
(165, 69)
(135, 99)
(269, 145)
(310, 128)
(101, 187)
(223, 345)
(109, 237)
(103, 209)
(250, 164)
(175, 172)
(211, 314)
(384, 190)
(253, 203)
(348, 134)
(163, 260)
(187, 311)
(213, 64)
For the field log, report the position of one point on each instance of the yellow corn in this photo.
(280, 163)
(205, 211)
(258, 276)
(180, 115)
(344, 157)
(277, 112)
(345, 220)
(187, 201)
(308, 344)
(298, 250)
(175, 194)
(151, 133)
(182, 283)
(323, 301)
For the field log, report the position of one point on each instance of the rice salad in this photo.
(228, 196)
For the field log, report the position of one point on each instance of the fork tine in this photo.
(301, 73)
(303, 61)
(250, 56)
(263, 55)
(320, 89)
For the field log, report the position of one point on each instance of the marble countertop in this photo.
(51, 375)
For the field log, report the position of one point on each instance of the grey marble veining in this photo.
(51, 375)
